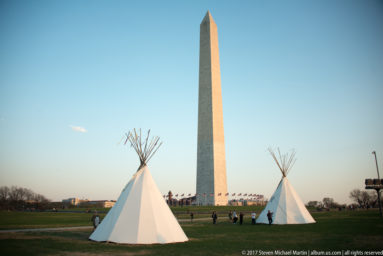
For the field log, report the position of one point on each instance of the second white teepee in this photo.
(140, 215)
(285, 204)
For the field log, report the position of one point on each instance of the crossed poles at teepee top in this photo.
(144, 150)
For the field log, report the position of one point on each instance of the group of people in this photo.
(233, 217)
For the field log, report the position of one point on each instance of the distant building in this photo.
(73, 201)
(102, 203)
(255, 202)
(85, 202)
(187, 201)
(183, 201)
(235, 203)
(247, 202)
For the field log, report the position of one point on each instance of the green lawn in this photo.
(78, 216)
(17, 220)
(350, 230)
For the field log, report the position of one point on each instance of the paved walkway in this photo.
(74, 228)
(197, 219)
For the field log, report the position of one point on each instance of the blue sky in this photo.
(306, 75)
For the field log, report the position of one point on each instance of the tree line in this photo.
(361, 199)
(17, 198)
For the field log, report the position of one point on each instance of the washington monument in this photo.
(211, 162)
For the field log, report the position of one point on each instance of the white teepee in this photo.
(140, 215)
(285, 205)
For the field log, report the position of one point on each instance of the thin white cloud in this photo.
(78, 128)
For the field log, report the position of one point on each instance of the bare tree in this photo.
(4, 193)
(28, 194)
(15, 194)
(313, 204)
(40, 198)
(328, 202)
(364, 198)
(24, 193)
(355, 196)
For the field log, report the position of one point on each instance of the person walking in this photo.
(253, 215)
(214, 217)
(191, 216)
(235, 218)
(95, 219)
(241, 218)
(270, 217)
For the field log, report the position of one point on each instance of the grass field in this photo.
(346, 230)
(19, 220)
(79, 217)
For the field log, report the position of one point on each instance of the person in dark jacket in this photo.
(270, 217)
(241, 218)
(214, 216)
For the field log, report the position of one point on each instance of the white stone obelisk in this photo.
(211, 162)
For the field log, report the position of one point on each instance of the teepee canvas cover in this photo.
(285, 204)
(140, 215)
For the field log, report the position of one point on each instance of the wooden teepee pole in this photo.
(144, 150)
(285, 162)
